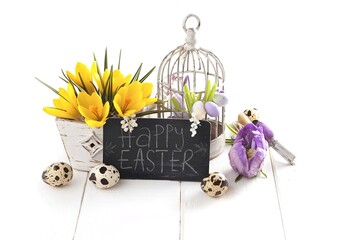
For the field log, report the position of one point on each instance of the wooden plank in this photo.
(248, 210)
(43, 212)
(309, 191)
(31, 209)
(133, 209)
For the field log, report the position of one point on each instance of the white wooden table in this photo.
(289, 204)
(294, 202)
(153, 209)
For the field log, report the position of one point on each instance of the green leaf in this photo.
(98, 68)
(83, 84)
(187, 102)
(106, 87)
(238, 178)
(187, 98)
(75, 86)
(65, 78)
(160, 102)
(141, 114)
(229, 141)
(147, 75)
(207, 90)
(49, 87)
(74, 89)
(212, 92)
(95, 88)
(136, 76)
(110, 85)
(105, 60)
(176, 104)
(57, 109)
(199, 97)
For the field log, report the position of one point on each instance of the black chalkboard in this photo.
(158, 149)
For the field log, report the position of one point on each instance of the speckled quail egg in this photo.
(58, 174)
(215, 185)
(252, 114)
(104, 176)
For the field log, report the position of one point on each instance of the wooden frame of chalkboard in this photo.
(158, 149)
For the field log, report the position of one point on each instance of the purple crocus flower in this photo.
(267, 132)
(186, 81)
(248, 151)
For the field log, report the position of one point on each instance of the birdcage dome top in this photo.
(189, 64)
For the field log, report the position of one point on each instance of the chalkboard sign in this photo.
(158, 149)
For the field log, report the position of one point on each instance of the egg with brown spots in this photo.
(252, 114)
(215, 185)
(58, 174)
(104, 176)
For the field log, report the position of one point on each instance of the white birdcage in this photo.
(193, 66)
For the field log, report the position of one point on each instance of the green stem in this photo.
(231, 129)
(238, 178)
(151, 112)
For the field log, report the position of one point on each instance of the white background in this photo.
(282, 57)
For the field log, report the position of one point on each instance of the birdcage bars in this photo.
(192, 66)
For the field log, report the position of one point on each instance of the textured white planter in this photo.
(84, 145)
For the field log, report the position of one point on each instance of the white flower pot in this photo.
(83, 144)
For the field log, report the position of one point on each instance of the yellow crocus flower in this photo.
(102, 82)
(147, 90)
(83, 77)
(92, 109)
(132, 98)
(66, 105)
(118, 80)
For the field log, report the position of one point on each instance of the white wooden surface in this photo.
(247, 203)
(280, 56)
(135, 209)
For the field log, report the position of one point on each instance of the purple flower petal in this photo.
(186, 81)
(267, 132)
(220, 99)
(249, 140)
(212, 109)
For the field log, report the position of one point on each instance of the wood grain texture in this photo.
(133, 209)
(42, 211)
(72, 133)
(307, 192)
(248, 210)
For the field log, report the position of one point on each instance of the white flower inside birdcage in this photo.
(193, 68)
